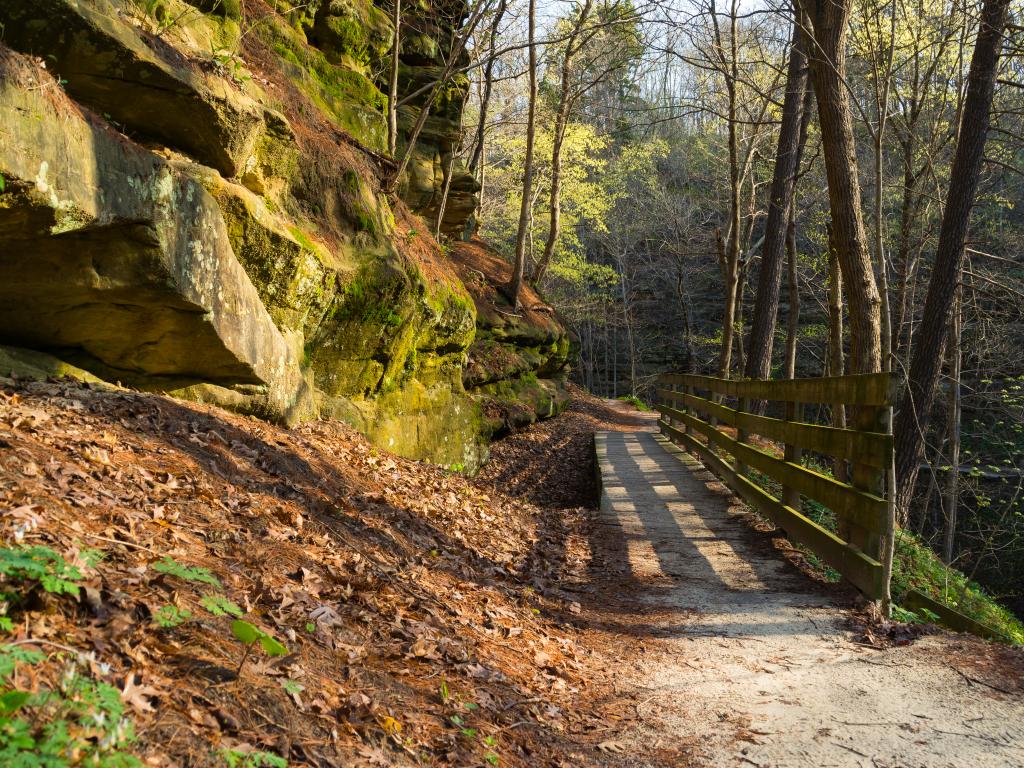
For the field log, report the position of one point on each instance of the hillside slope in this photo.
(417, 627)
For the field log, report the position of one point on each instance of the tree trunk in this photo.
(561, 123)
(396, 45)
(835, 343)
(476, 161)
(827, 55)
(952, 487)
(766, 304)
(793, 286)
(930, 340)
(729, 256)
(519, 265)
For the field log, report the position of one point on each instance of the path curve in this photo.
(749, 662)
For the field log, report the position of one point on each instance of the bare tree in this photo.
(930, 340)
(526, 208)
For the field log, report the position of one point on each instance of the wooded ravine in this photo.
(504, 382)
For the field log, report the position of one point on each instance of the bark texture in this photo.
(827, 55)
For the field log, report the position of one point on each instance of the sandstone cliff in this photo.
(192, 203)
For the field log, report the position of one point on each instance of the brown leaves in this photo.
(384, 576)
(138, 695)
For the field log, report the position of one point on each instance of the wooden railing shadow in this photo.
(717, 419)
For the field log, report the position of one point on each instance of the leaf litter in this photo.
(397, 598)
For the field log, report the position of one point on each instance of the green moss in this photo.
(301, 238)
(348, 98)
(916, 566)
(353, 33)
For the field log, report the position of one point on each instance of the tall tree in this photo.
(766, 303)
(396, 48)
(565, 94)
(477, 166)
(929, 343)
(519, 265)
(827, 53)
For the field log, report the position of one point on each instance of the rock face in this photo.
(188, 209)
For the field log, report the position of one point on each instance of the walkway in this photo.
(750, 661)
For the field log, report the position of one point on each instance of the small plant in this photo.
(172, 567)
(154, 15)
(250, 635)
(903, 615)
(36, 566)
(81, 722)
(171, 616)
(236, 759)
(444, 692)
(219, 605)
(228, 63)
(636, 402)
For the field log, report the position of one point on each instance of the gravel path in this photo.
(745, 661)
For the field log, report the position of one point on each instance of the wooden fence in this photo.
(695, 409)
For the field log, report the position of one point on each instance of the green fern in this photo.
(36, 565)
(172, 567)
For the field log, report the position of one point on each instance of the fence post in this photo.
(869, 479)
(684, 408)
(742, 406)
(792, 454)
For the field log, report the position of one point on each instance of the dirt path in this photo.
(742, 660)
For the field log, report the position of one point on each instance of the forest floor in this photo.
(429, 618)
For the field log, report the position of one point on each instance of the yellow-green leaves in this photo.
(250, 634)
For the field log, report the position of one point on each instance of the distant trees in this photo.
(672, 209)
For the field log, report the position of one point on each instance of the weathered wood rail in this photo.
(694, 410)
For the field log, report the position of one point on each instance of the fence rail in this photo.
(694, 421)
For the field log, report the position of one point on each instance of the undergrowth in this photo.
(636, 402)
(915, 566)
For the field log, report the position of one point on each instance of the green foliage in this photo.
(81, 722)
(235, 759)
(171, 616)
(251, 634)
(172, 567)
(35, 565)
(219, 605)
(636, 402)
(916, 566)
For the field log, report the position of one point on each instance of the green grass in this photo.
(916, 566)
(636, 402)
